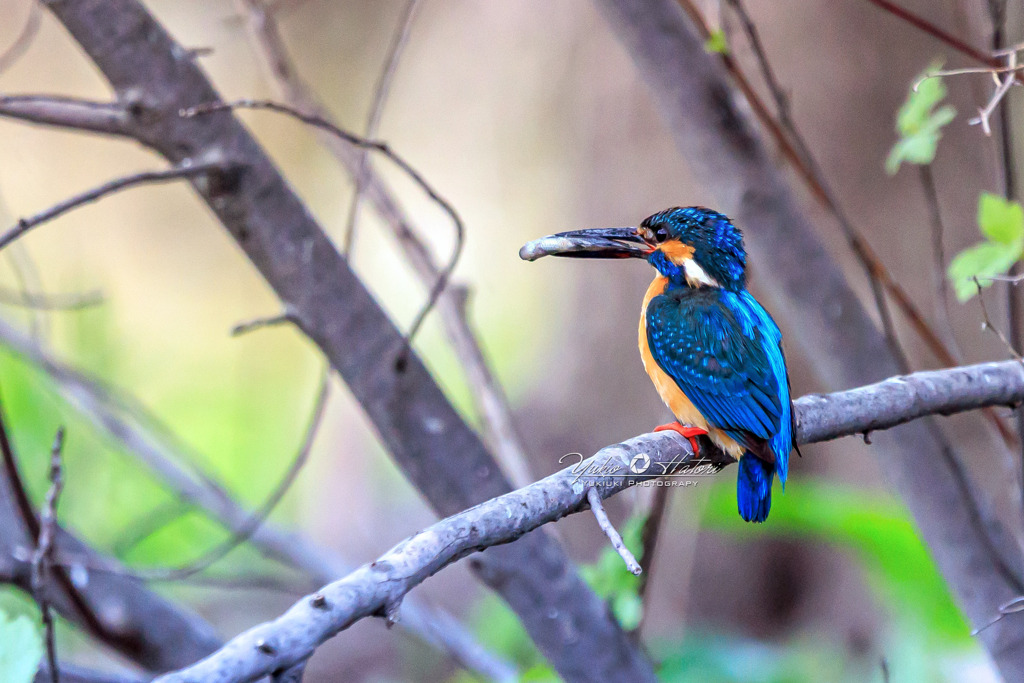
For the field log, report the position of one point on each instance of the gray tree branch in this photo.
(808, 292)
(378, 588)
(438, 451)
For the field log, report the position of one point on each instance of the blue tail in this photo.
(754, 488)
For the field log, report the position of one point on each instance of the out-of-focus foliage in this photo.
(877, 530)
(919, 124)
(1002, 222)
(728, 659)
(21, 649)
(716, 42)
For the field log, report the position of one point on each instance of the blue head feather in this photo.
(717, 244)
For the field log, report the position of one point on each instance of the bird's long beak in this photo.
(598, 243)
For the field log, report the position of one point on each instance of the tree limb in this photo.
(378, 587)
(100, 191)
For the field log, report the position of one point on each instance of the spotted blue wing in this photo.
(722, 349)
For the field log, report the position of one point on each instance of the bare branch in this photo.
(594, 499)
(33, 530)
(987, 323)
(67, 112)
(43, 555)
(108, 188)
(263, 323)
(901, 399)
(375, 588)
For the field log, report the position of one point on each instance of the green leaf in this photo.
(21, 649)
(982, 261)
(716, 43)
(1000, 220)
(917, 109)
(918, 125)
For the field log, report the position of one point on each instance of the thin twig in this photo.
(878, 276)
(43, 554)
(936, 32)
(1009, 607)
(380, 97)
(966, 70)
(24, 40)
(988, 325)
(931, 196)
(51, 302)
(101, 191)
(1002, 87)
(496, 417)
(594, 498)
(248, 326)
(32, 528)
(245, 531)
(377, 146)
(802, 158)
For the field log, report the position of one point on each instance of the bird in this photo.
(711, 349)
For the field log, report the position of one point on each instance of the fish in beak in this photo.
(598, 243)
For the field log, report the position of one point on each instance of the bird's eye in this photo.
(661, 234)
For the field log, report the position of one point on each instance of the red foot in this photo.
(690, 433)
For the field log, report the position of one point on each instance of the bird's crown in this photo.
(702, 235)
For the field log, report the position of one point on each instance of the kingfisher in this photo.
(712, 351)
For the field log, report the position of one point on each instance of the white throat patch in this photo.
(697, 276)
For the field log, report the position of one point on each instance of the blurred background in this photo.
(531, 118)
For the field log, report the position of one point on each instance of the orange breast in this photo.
(681, 406)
